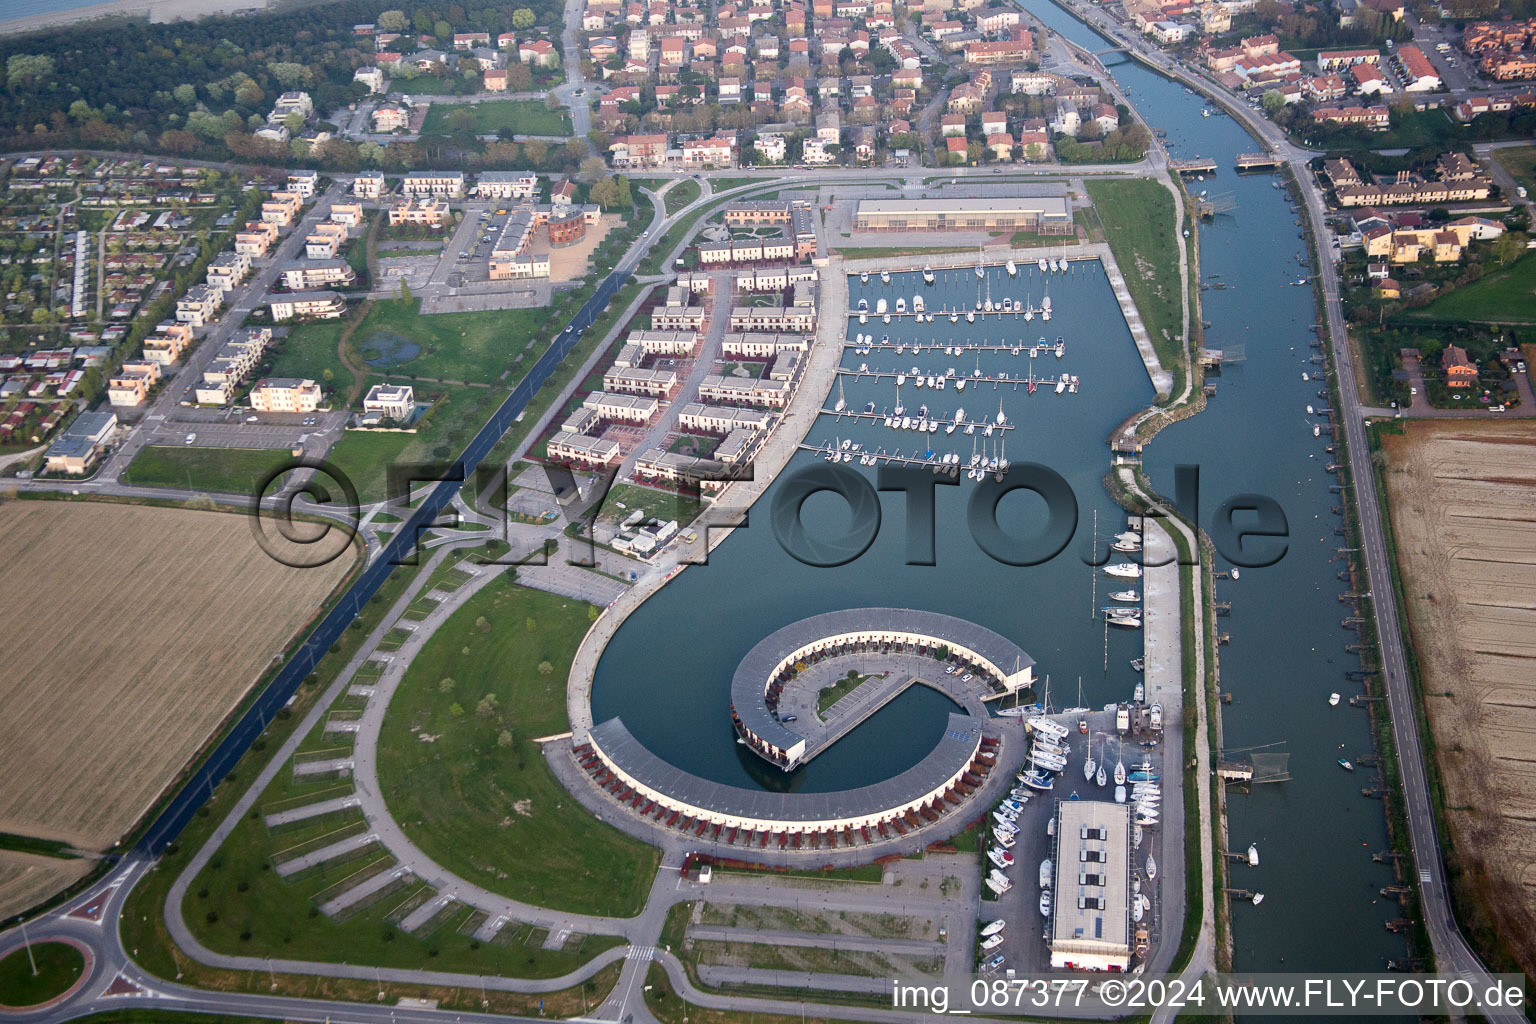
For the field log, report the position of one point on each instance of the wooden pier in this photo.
(1046, 383)
(1033, 349)
(1257, 161)
(982, 425)
(881, 457)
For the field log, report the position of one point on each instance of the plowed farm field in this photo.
(1463, 502)
(130, 634)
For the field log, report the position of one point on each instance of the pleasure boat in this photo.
(842, 401)
(1061, 385)
(1126, 544)
(901, 305)
(927, 275)
(1139, 694)
(1004, 839)
(1253, 855)
(1132, 621)
(1045, 873)
(1039, 780)
(863, 305)
(1333, 700)
(1345, 764)
(1088, 767)
(1013, 805)
(991, 943)
(998, 882)
(1013, 269)
(880, 306)
(863, 318)
(1045, 903)
(1119, 773)
(918, 306)
(1127, 596)
(954, 317)
(1002, 858)
(1124, 570)
(991, 928)
(1046, 727)
(864, 277)
(1119, 794)
(1151, 867)
(1042, 264)
(885, 277)
(1007, 305)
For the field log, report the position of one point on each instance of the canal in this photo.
(668, 670)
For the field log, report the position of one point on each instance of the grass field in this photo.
(681, 194)
(465, 779)
(232, 470)
(1503, 297)
(440, 435)
(885, 252)
(58, 967)
(144, 693)
(476, 348)
(830, 695)
(525, 117)
(1138, 225)
(1520, 162)
(310, 351)
(26, 879)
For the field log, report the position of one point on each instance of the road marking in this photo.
(1424, 876)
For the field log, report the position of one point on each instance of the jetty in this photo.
(1195, 165)
(1256, 161)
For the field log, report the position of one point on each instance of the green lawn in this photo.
(235, 470)
(1520, 162)
(664, 505)
(440, 435)
(310, 351)
(525, 117)
(681, 194)
(886, 252)
(479, 798)
(1503, 297)
(473, 347)
(58, 967)
(1137, 215)
(830, 695)
(1023, 239)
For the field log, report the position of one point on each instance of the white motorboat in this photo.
(1139, 694)
(1047, 762)
(1126, 547)
(1125, 621)
(918, 306)
(1125, 596)
(1119, 794)
(1042, 264)
(991, 942)
(1253, 855)
(1045, 873)
(954, 317)
(863, 308)
(1136, 836)
(901, 305)
(1045, 903)
(1333, 700)
(991, 928)
(1015, 807)
(1047, 727)
(1038, 780)
(970, 317)
(1124, 570)
(1004, 838)
(1013, 269)
(1002, 858)
(1061, 385)
(998, 882)
(885, 277)
(880, 306)
(1258, 898)
(1136, 911)
(864, 277)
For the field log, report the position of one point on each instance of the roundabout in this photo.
(43, 973)
(791, 702)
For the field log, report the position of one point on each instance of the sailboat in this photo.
(1120, 772)
(979, 272)
(1101, 778)
(842, 401)
(1089, 765)
(1151, 867)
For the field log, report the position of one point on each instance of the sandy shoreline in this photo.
(154, 10)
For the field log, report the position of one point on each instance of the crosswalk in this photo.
(641, 953)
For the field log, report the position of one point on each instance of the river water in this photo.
(667, 672)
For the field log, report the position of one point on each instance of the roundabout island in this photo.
(799, 691)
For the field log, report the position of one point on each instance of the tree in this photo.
(523, 18)
(519, 78)
(1508, 247)
(461, 120)
(1273, 101)
(27, 69)
(487, 706)
(592, 168)
(442, 30)
(545, 668)
(288, 74)
(504, 738)
(392, 21)
(185, 94)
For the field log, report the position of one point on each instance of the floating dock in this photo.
(1196, 165)
(943, 422)
(1049, 382)
(1256, 161)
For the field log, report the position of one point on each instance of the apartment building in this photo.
(325, 241)
(736, 345)
(430, 212)
(773, 394)
(772, 319)
(199, 305)
(318, 305)
(444, 184)
(285, 394)
(507, 185)
(255, 239)
(663, 343)
(167, 343)
(227, 270)
(368, 185)
(130, 386)
(581, 450)
(721, 419)
(304, 183)
(304, 276)
(282, 208)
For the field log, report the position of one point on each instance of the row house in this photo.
(230, 366)
(325, 241)
(1415, 70)
(1376, 117)
(628, 380)
(736, 345)
(1473, 106)
(772, 319)
(746, 250)
(131, 384)
(764, 392)
(568, 448)
(1343, 60)
(721, 419)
